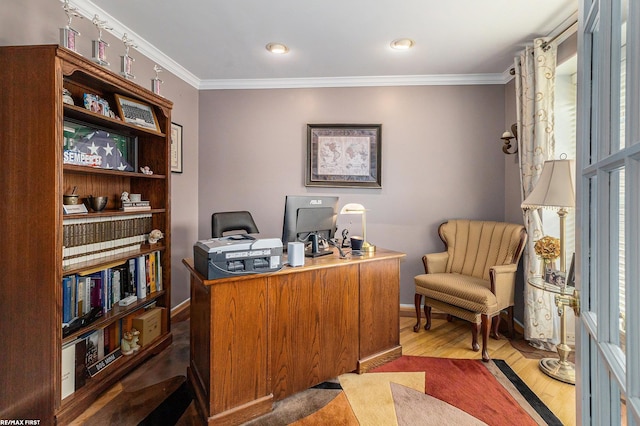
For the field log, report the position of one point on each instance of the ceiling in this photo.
(213, 43)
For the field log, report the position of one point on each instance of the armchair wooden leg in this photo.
(511, 322)
(427, 314)
(417, 300)
(495, 325)
(475, 328)
(485, 337)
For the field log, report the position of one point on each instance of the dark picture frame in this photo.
(176, 148)
(344, 155)
(137, 113)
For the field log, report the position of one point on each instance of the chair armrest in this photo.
(435, 263)
(503, 280)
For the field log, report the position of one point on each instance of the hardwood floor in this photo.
(445, 339)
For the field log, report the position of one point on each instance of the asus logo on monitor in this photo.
(315, 202)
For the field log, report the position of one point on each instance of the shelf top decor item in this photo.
(68, 34)
(156, 82)
(136, 112)
(99, 45)
(126, 60)
(88, 146)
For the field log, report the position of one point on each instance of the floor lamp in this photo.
(555, 189)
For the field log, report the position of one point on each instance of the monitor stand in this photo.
(315, 248)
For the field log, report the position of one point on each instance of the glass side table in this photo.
(560, 369)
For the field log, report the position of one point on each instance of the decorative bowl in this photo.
(97, 204)
(69, 200)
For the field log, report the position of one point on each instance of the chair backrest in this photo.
(222, 222)
(474, 246)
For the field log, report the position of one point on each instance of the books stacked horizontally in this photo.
(135, 206)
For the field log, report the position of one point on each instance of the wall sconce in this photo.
(507, 136)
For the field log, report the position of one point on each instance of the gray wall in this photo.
(37, 22)
(441, 158)
(441, 154)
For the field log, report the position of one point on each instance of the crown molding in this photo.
(88, 9)
(361, 81)
(118, 29)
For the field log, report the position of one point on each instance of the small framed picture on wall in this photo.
(176, 148)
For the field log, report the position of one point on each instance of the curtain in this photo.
(535, 79)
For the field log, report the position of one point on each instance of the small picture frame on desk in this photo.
(556, 277)
(138, 113)
(571, 275)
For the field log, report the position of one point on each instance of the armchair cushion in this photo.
(470, 293)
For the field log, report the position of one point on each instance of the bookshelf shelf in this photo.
(71, 168)
(47, 254)
(81, 113)
(116, 313)
(103, 380)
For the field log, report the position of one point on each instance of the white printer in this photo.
(237, 255)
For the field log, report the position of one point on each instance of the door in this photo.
(608, 211)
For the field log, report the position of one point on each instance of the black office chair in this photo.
(222, 222)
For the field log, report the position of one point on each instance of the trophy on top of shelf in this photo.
(68, 34)
(99, 45)
(156, 82)
(127, 60)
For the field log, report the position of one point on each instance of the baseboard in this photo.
(181, 309)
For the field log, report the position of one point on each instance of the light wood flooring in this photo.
(445, 339)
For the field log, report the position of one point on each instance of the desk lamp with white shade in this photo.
(354, 208)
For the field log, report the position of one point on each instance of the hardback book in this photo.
(80, 307)
(68, 370)
(159, 273)
(66, 300)
(141, 281)
(152, 273)
(93, 340)
(81, 363)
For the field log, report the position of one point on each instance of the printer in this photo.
(235, 255)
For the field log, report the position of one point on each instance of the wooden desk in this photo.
(259, 338)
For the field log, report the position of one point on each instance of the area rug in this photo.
(416, 390)
(408, 391)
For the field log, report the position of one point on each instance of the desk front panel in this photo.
(313, 323)
(379, 306)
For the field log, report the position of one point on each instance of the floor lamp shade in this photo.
(554, 189)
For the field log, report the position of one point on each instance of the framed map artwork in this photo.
(344, 155)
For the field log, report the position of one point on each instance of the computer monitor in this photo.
(308, 218)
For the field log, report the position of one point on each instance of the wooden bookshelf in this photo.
(35, 177)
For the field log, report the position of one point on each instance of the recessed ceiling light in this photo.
(402, 44)
(278, 48)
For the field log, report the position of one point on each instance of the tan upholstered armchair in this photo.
(474, 279)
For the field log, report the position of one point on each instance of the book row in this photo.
(138, 276)
(90, 252)
(92, 352)
(82, 232)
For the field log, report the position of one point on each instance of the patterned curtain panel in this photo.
(535, 80)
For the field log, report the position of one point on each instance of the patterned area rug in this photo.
(408, 391)
(417, 390)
